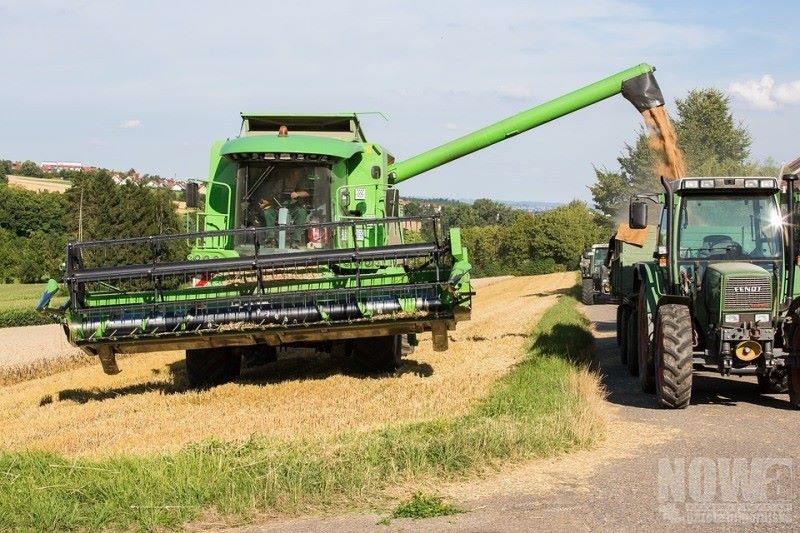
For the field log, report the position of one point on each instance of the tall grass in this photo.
(538, 409)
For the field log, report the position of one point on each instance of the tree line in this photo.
(504, 240)
(36, 226)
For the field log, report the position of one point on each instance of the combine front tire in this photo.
(209, 367)
(378, 354)
(587, 291)
(674, 356)
(632, 333)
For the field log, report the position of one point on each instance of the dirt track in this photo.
(616, 486)
(147, 407)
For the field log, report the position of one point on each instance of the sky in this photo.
(151, 85)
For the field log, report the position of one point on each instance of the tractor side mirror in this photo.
(192, 195)
(637, 218)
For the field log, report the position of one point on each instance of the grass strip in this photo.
(539, 409)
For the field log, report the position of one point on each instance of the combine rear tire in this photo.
(674, 356)
(623, 312)
(378, 354)
(209, 367)
(587, 291)
(776, 382)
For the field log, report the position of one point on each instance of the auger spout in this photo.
(637, 84)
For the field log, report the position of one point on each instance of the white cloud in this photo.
(514, 92)
(758, 93)
(133, 123)
(765, 94)
(788, 93)
(450, 126)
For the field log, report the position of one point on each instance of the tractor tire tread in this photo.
(587, 291)
(674, 391)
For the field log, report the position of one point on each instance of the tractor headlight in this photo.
(767, 183)
(762, 317)
(731, 319)
(691, 184)
(707, 184)
(751, 183)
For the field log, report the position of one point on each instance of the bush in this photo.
(12, 318)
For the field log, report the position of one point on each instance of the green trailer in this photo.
(299, 241)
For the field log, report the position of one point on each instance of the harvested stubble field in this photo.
(81, 412)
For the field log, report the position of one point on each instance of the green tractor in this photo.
(716, 290)
(300, 241)
(595, 286)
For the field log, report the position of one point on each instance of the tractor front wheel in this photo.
(673, 356)
(209, 367)
(378, 354)
(587, 291)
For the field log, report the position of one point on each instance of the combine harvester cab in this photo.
(300, 242)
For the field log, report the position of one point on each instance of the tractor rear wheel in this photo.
(794, 385)
(378, 354)
(775, 382)
(623, 314)
(632, 360)
(209, 367)
(674, 356)
(644, 349)
(587, 291)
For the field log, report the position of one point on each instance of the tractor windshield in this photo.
(729, 227)
(599, 260)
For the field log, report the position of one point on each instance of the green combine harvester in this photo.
(301, 242)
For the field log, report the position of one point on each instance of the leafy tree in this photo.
(40, 257)
(24, 212)
(9, 251)
(31, 169)
(5, 169)
(709, 136)
(564, 232)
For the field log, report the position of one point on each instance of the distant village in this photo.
(61, 170)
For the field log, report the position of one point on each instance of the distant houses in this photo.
(60, 170)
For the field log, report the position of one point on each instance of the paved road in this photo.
(739, 453)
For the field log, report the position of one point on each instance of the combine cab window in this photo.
(728, 227)
(274, 194)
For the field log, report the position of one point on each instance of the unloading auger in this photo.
(300, 241)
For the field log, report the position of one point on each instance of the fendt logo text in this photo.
(747, 289)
